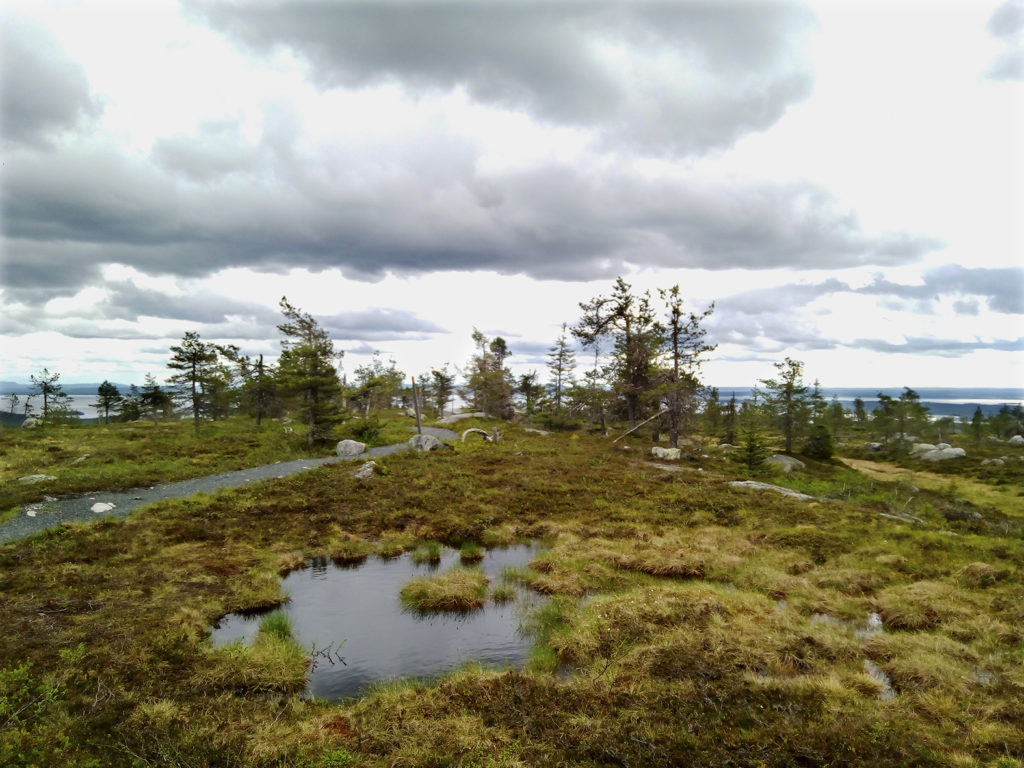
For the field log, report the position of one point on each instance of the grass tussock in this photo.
(461, 589)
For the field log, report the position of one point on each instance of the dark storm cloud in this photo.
(42, 92)
(677, 76)
(1007, 23)
(413, 209)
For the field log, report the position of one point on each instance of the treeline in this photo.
(644, 357)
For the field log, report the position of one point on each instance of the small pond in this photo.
(355, 612)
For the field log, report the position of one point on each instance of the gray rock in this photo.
(993, 462)
(665, 453)
(533, 431)
(873, 447)
(786, 463)
(350, 448)
(919, 449)
(81, 458)
(29, 479)
(101, 506)
(942, 454)
(754, 485)
(30, 422)
(365, 472)
(424, 443)
(1016, 440)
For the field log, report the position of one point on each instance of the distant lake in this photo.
(80, 403)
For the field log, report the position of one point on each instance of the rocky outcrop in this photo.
(30, 479)
(756, 486)
(349, 448)
(939, 452)
(786, 463)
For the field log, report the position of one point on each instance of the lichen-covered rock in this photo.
(1016, 440)
(349, 448)
(29, 479)
(665, 453)
(786, 463)
(919, 449)
(365, 472)
(30, 422)
(424, 443)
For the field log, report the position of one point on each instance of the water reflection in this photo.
(356, 612)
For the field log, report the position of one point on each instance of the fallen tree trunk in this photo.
(634, 429)
(494, 437)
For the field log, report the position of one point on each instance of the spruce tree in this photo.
(561, 364)
(107, 397)
(786, 398)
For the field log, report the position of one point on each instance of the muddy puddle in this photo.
(359, 634)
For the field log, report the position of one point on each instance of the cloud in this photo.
(941, 347)
(42, 92)
(1007, 24)
(379, 324)
(411, 209)
(1002, 288)
(678, 77)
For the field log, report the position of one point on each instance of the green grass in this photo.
(428, 553)
(86, 458)
(471, 552)
(460, 589)
(684, 623)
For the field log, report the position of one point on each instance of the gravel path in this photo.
(92, 506)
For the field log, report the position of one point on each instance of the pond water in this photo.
(356, 615)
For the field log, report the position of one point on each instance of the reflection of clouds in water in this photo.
(359, 610)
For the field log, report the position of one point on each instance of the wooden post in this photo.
(416, 405)
(662, 412)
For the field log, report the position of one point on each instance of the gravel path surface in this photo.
(93, 506)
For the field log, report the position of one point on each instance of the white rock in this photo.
(786, 463)
(424, 443)
(942, 446)
(101, 506)
(1016, 440)
(349, 448)
(30, 422)
(919, 449)
(533, 431)
(29, 479)
(366, 471)
(993, 462)
(665, 453)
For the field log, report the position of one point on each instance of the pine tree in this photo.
(787, 398)
(637, 340)
(306, 370)
(442, 387)
(561, 364)
(977, 426)
(154, 401)
(684, 345)
(194, 360)
(48, 385)
(107, 397)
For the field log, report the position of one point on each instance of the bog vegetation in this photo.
(689, 620)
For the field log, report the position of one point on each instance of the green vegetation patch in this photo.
(460, 589)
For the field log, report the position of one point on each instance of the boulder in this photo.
(873, 447)
(29, 479)
(942, 454)
(665, 453)
(424, 443)
(365, 472)
(349, 448)
(101, 506)
(919, 449)
(533, 431)
(993, 462)
(1016, 440)
(786, 463)
(31, 421)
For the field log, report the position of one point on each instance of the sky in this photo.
(842, 179)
